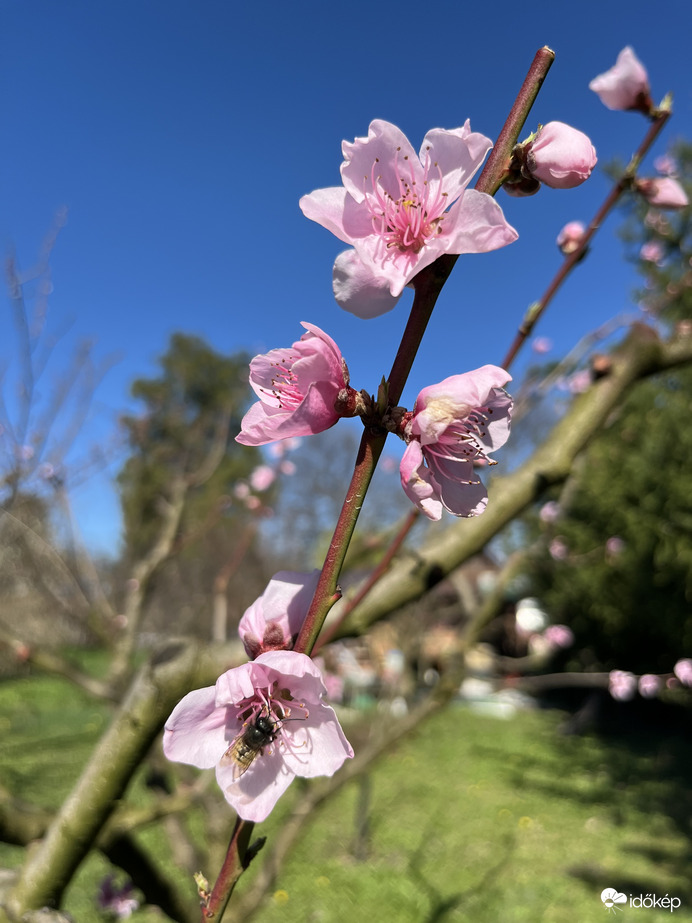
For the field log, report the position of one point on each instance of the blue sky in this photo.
(181, 135)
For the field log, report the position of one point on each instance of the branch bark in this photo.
(174, 669)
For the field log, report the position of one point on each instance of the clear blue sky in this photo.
(181, 135)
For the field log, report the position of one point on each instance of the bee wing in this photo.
(240, 756)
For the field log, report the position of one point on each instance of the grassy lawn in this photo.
(474, 819)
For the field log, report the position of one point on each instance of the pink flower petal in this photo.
(401, 211)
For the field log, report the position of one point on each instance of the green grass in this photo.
(473, 819)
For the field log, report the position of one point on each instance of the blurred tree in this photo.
(185, 434)
(616, 565)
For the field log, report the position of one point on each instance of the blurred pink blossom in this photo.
(622, 685)
(253, 503)
(297, 389)
(400, 211)
(558, 549)
(287, 467)
(649, 685)
(241, 490)
(277, 699)
(652, 251)
(569, 238)
(550, 511)
(580, 381)
(560, 156)
(453, 423)
(117, 900)
(666, 165)
(662, 192)
(560, 636)
(683, 671)
(626, 85)
(541, 345)
(262, 477)
(615, 546)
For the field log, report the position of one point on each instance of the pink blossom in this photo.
(550, 511)
(559, 636)
(297, 389)
(666, 164)
(277, 697)
(626, 85)
(683, 671)
(288, 467)
(615, 546)
(541, 345)
(400, 211)
(560, 156)
(273, 621)
(117, 900)
(454, 423)
(649, 685)
(652, 251)
(569, 238)
(558, 549)
(622, 685)
(663, 192)
(241, 490)
(579, 382)
(262, 477)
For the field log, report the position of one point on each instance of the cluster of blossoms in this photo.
(623, 685)
(265, 722)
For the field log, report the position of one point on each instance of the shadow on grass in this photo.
(441, 905)
(634, 761)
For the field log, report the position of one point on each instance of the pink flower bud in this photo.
(683, 671)
(622, 685)
(649, 685)
(570, 236)
(626, 85)
(663, 192)
(560, 156)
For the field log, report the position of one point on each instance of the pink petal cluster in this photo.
(663, 192)
(400, 211)
(569, 238)
(560, 156)
(274, 620)
(622, 685)
(297, 389)
(285, 688)
(626, 85)
(454, 424)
